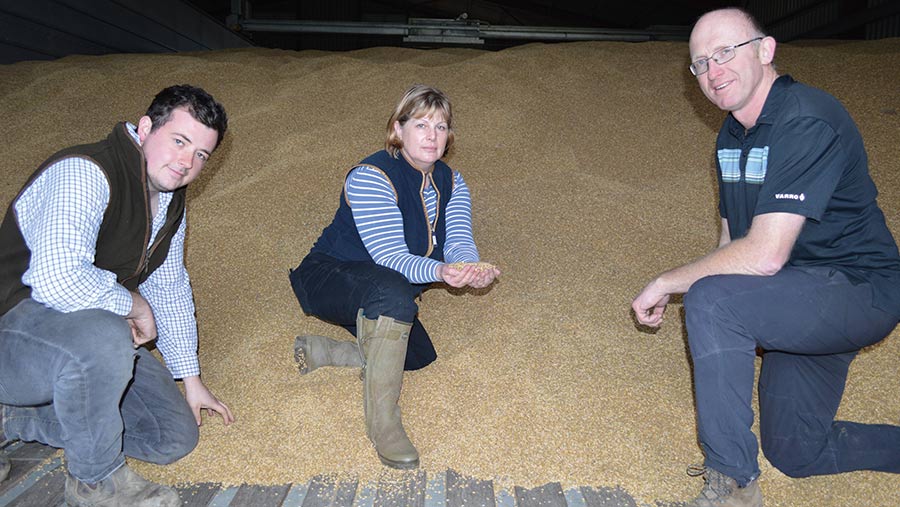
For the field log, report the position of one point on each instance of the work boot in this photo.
(383, 343)
(723, 491)
(123, 488)
(312, 352)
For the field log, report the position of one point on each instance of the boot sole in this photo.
(300, 357)
(401, 465)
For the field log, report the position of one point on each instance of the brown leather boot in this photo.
(723, 491)
(383, 342)
(123, 488)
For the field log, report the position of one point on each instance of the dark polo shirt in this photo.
(806, 156)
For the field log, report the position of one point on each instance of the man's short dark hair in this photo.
(202, 106)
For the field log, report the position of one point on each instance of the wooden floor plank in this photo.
(548, 495)
(329, 491)
(19, 486)
(574, 498)
(466, 491)
(320, 492)
(346, 492)
(198, 495)
(223, 497)
(505, 498)
(401, 489)
(436, 490)
(365, 497)
(24, 458)
(260, 496)
(607, 497)
(33, 483)
(48, 491)
(31, 451)
(295, 495)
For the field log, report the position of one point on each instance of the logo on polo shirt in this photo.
(794, 197)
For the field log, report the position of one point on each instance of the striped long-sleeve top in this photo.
(380, 224)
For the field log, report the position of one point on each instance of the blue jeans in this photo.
(74, 381)
(335, 290)
(810, 322)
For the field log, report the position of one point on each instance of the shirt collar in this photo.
(774, 99)
(132, 131)
(772, 104)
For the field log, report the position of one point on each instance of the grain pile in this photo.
(590, 166)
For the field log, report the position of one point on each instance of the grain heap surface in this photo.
(591, 170)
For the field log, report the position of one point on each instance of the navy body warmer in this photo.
(341, 238)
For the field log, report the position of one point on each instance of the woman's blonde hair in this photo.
(419, 101)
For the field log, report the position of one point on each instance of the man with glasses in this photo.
(806, 270)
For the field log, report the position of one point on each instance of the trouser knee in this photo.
(176, 446)
(394, 297)
(791, 439)
(791, 456)
(704, 315)
(705, 294)
(102, 341)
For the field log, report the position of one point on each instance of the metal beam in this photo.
(296, 26)
(579, 34)
(462, 31)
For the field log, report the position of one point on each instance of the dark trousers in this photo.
(811, 322)
(335, 290)
(74, 381)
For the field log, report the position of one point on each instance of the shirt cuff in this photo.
(121, 301)
(184, 367)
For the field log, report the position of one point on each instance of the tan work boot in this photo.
(723, 491)
(123, 488)
(312, 352)
(383, 343)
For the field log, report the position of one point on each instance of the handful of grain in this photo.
(479, 266)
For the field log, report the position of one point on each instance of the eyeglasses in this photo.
(721, 56)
